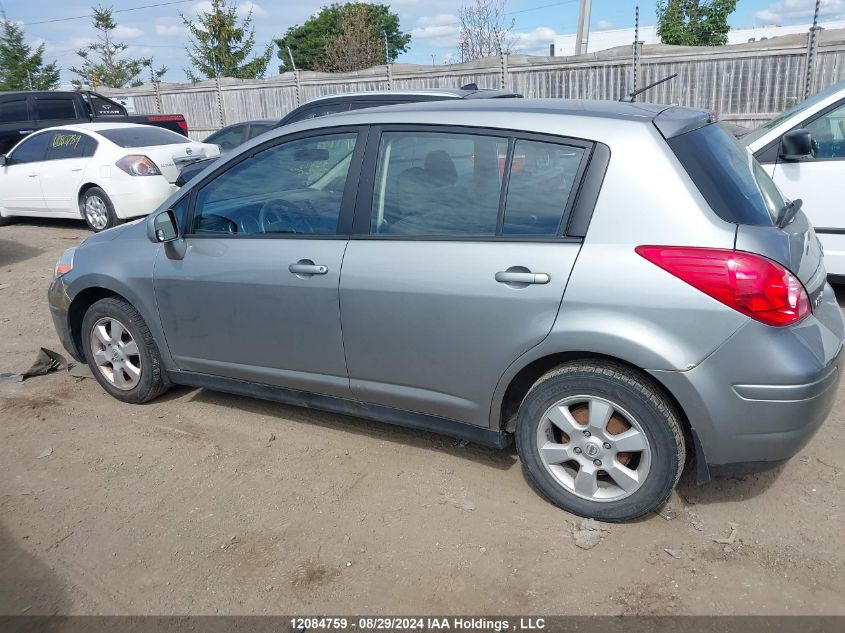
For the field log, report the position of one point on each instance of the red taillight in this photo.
(138, 165)
(748, 283)
(183, 125)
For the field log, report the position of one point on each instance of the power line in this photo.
(83, 17)
(545, 6)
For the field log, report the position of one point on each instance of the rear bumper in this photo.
(140, 195)
(758, 399)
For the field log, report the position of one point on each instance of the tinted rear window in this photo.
(142, 136)
(55, 109)
(728, 176)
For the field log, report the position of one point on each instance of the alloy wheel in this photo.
(594, 448)
(115, 353)
(96, 212)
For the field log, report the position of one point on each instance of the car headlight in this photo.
(65, 263)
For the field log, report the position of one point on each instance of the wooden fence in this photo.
(745, 83)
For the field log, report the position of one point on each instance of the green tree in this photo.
(309, 41)
(220, 46)
(103, 63)
(21, 66)
(694, 22)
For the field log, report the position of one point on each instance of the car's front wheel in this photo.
(98, 210)
(121, 352)
(600, 440)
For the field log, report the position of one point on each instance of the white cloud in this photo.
(126, 32)
(171, 30)
(604, 25)
(800, 10)
(536, 41)
(438, 31)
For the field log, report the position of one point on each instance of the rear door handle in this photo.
(511, 277)
(22, 132)
(305, 268)
(32, 175)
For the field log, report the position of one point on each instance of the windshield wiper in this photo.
(787, 214)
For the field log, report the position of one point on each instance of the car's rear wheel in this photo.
(599, 440)
(121, 352)
(5, 221)
(98, 210)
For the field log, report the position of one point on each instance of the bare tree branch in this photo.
(485, 31)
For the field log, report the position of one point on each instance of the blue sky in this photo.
(158, 32)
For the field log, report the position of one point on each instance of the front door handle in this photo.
(305, 267)
(22, 132)
(32, 175)
(519, 277)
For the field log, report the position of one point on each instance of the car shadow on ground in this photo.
(377, 431)
(12, 252)
(726, 488)
(53, 223)
(27, 585)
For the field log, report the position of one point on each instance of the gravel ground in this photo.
(203, 503)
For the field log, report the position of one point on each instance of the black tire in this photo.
(637, 395)
(111, 219)
(6, 221)
(153, 380)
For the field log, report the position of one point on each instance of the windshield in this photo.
(728, 176)
(796, 109)
(142, 136)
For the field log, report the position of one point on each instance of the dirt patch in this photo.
(184, 506)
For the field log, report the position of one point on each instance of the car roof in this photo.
(445, 93)
(673, 118)
(251, 122)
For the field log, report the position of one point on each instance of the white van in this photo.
(817, 179)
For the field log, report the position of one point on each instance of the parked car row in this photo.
(620, 288)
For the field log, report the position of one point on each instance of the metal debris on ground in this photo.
(460, 504)
(674, 553)
(46, 362)
(46, 453)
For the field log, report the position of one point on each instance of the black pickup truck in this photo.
(22, 113)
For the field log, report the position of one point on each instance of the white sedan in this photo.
(102, 172)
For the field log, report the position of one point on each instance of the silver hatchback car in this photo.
(618, 287)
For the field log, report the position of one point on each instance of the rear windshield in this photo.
(142, 136)
(728, 176)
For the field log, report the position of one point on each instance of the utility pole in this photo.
(296, 78)
(635, 62)
(583, 36)
(812, 43)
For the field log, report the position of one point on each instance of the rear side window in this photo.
(14, 111)
(542, 179)
(54, 109)
(469, 185)
(728, 176)
(69, 144)
(228, 138)
(433, 183)
(142, 136)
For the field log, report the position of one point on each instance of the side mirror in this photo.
(3, 160)
(162, 227)
(796, 145)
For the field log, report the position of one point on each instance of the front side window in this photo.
(33, 149)
(259, 128)
(69, 144)
(438, 184)
(828, 132)
(54, 109)
(14, 111)
(295, 188)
